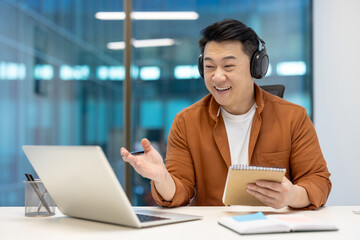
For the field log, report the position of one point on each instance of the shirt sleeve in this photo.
(180, 166)
(307, 164)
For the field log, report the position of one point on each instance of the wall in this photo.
(336, 94)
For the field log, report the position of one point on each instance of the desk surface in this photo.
(14, 225)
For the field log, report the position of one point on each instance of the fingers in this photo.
(263, 198)
(124, 152)
(267, 192)
(262, 190)
(273, 186)
(267, 196)
(146, 144)
(273, 194)
(128, 157)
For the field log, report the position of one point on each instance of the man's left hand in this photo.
(278, 195)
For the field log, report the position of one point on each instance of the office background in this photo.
(61, 81)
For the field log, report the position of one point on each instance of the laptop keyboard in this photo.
(148, 218)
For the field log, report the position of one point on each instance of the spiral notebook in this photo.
(239, 176)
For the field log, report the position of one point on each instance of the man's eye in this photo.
(208, 66)
(229, 66)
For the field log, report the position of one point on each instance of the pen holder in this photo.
(38, 202)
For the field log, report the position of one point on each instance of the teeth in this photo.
(222, 89)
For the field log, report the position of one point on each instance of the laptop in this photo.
(83, 185)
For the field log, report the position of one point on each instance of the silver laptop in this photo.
(82, 183)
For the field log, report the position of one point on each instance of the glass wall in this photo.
(61, 73)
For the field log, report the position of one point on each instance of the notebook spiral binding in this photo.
(258, 168)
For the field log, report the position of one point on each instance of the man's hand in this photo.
(151, 165)
(278, 195)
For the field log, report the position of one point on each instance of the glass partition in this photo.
(61, 73)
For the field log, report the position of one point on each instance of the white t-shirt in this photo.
(238, 131)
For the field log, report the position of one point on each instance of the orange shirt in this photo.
(282, 135)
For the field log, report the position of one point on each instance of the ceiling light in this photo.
(175, 15)
(161, 42)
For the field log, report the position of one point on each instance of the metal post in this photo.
(127, 92)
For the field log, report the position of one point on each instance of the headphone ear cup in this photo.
(201, 65)
(259, 64)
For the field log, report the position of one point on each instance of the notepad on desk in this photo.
(239, 176)
(274, 223)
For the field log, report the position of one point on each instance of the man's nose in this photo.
(219, 75)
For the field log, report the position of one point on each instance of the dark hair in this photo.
(230, 29)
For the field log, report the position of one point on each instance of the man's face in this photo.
(227, 75)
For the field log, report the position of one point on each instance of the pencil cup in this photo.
(38, 202)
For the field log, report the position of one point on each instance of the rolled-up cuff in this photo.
(180, 197)
(316, 196)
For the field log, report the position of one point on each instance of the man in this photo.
(237, 123)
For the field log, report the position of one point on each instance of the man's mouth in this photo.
(222, 89)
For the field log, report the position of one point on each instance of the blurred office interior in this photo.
(62, 73)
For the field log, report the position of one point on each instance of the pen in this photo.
(40, 203)
(37, 191)
(137, 152)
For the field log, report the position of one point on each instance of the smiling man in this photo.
(236, 123)
(227, 76)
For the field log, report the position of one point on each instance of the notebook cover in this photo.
(235, 189)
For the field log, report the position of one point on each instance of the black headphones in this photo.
(259, 62)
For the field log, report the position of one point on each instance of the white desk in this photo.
(14, 225)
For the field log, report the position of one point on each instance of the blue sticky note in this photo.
(250, 217)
